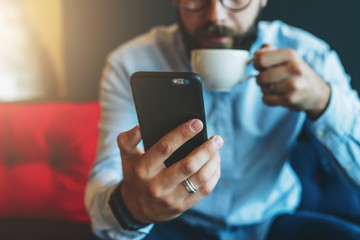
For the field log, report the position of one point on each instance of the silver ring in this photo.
(189, 186)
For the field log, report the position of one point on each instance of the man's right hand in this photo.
(153, 193)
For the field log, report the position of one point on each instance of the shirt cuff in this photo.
(114, 230)
(334, 120)
(337, 130)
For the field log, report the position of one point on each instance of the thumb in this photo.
(259, 54)
(265, 48)
(128, 143)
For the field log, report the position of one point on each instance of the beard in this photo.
(237, 40)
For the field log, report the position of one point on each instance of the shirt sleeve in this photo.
(117, 115)
(338, 128)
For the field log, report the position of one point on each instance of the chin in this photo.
(217, 45)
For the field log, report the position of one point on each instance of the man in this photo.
(253, 129)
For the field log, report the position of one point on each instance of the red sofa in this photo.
(46, 151)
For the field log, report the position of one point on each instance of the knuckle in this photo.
(168, 202)
(265, 99)
(155, 191)
(294, 68)
(261, 60)
(289, 99)
(189, 167)
(261, 77)
(293, 98)
(292, 86)
(291, 53)
(202, 177)
(185, 133)
(179, 209)
(207, 189)
(209, 149)
(299, 86)
(140, 172)
(164, 147)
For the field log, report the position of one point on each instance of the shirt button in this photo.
(320, 134)
(348, 167)
(225, 138)
(224, 184)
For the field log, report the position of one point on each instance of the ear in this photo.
(263, 3)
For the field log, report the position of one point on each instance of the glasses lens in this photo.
(193, 5)
(236, 4)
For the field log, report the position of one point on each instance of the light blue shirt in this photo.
(257, 181)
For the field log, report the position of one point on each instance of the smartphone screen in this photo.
(165, 100)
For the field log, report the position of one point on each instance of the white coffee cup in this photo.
(220, 69)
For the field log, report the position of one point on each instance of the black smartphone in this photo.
(165, 100)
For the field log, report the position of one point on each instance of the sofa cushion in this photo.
(44, 229)
(324, 189)
(46, 151)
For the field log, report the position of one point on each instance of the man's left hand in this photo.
(287, 80)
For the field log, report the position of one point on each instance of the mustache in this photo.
(215, 30)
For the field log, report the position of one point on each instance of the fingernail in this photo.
(218, 141)
(196, 125)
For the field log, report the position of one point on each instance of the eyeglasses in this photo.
(198, 5)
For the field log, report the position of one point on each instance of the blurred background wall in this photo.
(46, 19)
(95, 27)
(336, 22)
(31, 49)
(56, 49)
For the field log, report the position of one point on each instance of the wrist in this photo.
(132, 206)
(321, 104)
(121, 212)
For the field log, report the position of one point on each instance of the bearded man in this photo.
(242, 180)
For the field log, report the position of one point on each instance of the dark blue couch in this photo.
(324, 189)
(336, 22)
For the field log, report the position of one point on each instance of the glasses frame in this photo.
(208, 2)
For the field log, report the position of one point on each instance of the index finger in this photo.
(162, 150)
(268, 59)
(127, 143)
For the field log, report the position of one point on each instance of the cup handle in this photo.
(249, 61)
(244, 78)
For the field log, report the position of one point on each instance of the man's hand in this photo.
(154, 193)
(287, 80)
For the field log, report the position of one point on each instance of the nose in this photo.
(215, 12)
